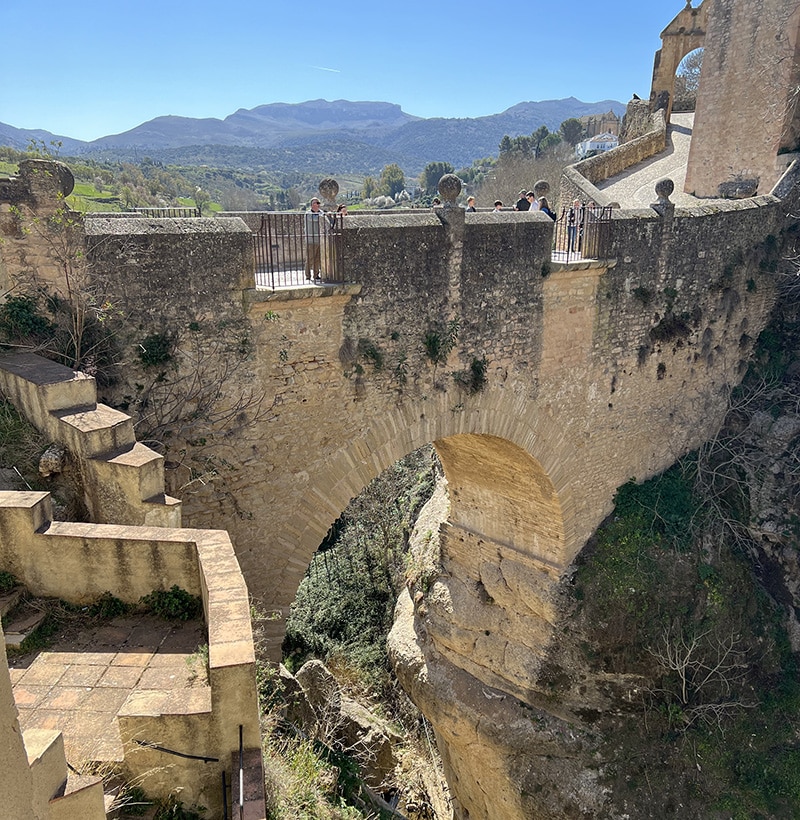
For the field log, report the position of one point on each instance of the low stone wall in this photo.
(79, 562)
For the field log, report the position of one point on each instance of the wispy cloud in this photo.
(323, 68)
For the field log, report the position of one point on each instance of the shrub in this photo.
(108, 606)
(174, 604)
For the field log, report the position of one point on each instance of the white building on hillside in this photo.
(596, 145)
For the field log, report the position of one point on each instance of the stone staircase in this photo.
(123, 479)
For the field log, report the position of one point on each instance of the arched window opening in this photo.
(687, 81)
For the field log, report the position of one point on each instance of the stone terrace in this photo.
(80, 683)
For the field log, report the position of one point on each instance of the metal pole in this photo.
(241, 775)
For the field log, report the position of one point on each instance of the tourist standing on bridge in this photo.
(574, 221)
(471, 204)
(523, 203)
(313, 229)
(544, 207)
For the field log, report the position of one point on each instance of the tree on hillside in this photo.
(393, 180)
(572, 130)
(201, 199)
(550, 141)
(434, 171)
(369, 187)
(537, 138)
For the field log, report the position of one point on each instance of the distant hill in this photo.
(321, 136)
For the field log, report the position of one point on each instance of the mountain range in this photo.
(319, 136)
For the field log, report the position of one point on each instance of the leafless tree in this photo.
(703, 671)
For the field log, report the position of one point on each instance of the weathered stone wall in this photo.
(590, 371)
(746, 103)
(80, 562)
(122, 480)
(17, 783)
(203, 264)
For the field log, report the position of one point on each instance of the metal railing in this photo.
(582, 232)
(294, 249)
(175, 213)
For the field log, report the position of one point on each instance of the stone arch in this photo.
(686, 33)
(509, 468)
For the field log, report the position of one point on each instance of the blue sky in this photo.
(87, 69)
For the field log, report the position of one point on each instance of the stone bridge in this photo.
(563, 381)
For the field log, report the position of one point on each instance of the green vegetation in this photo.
(108, 606)
(673, 590)
(7, 582)
(474, 379)
(393, 180)
(113, 185)
(174, 604)
(538, 142)
(155, 350)
(433, 172)
(68, 320)
(21, 444)
(440, 340)
(724, 694)
(344, 605)
(342, 615)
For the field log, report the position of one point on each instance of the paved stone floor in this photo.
(635, 186)
(79, 684)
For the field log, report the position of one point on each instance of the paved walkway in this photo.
(81, 682)
(635, 187)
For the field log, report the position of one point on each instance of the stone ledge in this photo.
(253, 296)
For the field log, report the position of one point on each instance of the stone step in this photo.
(9, 600)
(82, 797)
(23, 625)
(95, 430)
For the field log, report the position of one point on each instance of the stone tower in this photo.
(746, 123)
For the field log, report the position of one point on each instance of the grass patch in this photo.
(21, 444)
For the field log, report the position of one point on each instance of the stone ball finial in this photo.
(664, 189)
(47, 177)
(449, 189)
(328, 189)
(541, 188)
